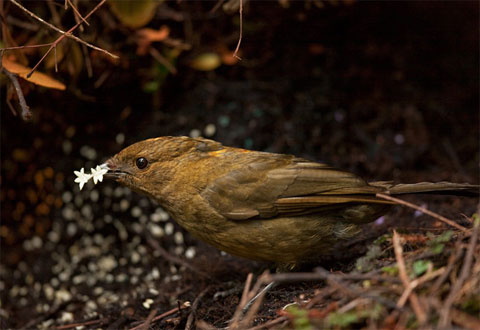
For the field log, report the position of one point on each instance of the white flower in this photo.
(82, 178)
(98, 173)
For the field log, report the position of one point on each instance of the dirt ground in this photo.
(388, 91)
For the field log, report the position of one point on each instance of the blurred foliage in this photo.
(134, 13)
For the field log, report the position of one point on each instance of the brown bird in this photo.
(258, 205)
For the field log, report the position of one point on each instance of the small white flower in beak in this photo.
(98, 173)
(82, 178)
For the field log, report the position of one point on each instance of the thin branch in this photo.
(321, 274)
(402, 271)
(162, 60)
(423, 210)
(77, 13)
(464, 273)
(69, 32)
(161, 316)
(193, 310)
(63, 32)
(26, 114)
(241, 31)
(148, 321)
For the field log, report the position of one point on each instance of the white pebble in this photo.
(88, 152)
(195, 133)
(67, 147)
(190, 253)
(94, 195)
(147, 303)
(71, 229)
(178, 237)
(63, 295)
(156, 230)
(53, 236)
(124, 205)
(107, 263)
(169, 228)
(66, 317)
(135, 257)
(136, 212)
(209, 130)
(67, 197)
(120, 138)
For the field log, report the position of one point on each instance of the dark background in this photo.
(386, 90)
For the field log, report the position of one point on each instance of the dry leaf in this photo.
(37, 78)
(146, 36)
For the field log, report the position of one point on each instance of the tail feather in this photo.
(442, 188)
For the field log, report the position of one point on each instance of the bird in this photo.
(258, 205)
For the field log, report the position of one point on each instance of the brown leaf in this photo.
(146, 36)
(37, 78)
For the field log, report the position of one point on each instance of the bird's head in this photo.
(147, 165)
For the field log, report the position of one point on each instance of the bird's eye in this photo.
(141, 162)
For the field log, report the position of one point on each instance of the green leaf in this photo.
(421, 266)
(342, 319)
(436, 243)
(300, 318)
(390, 270)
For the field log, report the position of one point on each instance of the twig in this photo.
(451, 262)
(161, 316)
(77, 13)
(465, 320)
(270, 324)
(160, 58)
(424, 210)
(258, 299)
(154, 244)
(402, 271)
(149, 319)
(61, 31)
(238, 312)
(26, 114)
(217, 5)
(193, 310)
(80, 324)
(464, 273)
(321, 274)
(240, 11)
(69, 32)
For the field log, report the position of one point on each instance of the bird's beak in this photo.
(114, 170)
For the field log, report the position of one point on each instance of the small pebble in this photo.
(169, 228)
(190, 252)
(94, 195)
(67, 197)
(135, 257)
(147, 303)
(178, 237)
(136, 212)
(66, 317)
(209, 130)
(195, 133)
(88, 152)
(120, 138)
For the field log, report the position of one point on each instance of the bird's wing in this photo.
(271, 185)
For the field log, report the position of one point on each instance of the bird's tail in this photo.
(439, 188)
